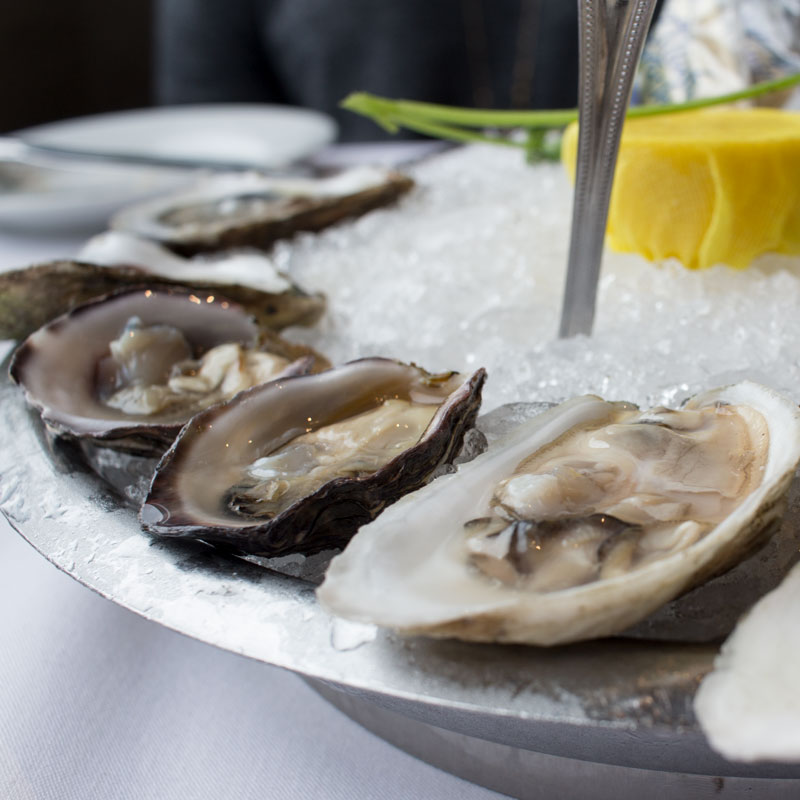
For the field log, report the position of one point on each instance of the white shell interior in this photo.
(59, 371)
(406, 570)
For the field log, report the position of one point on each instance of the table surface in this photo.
(99, 704)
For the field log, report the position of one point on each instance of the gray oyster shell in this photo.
(31, 297)
(255, 210)
(187, 496)
(57, 365)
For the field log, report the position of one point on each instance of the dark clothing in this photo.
(485, 53)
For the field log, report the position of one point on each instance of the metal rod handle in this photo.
(612, 34)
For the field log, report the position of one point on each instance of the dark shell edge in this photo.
(328, 518)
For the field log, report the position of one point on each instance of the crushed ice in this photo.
(469, 272)
(346, 635)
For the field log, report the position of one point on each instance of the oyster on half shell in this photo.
(255, 210)
(297, 465)
(128, 370)
(580, 523)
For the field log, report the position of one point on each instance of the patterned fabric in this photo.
(701, 48)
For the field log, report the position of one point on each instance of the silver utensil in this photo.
(612, 34)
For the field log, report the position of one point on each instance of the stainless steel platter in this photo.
(617, 702)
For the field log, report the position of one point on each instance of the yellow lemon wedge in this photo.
(705, 187)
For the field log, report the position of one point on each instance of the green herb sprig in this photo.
(487, 125)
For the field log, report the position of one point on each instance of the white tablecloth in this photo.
(98, 704)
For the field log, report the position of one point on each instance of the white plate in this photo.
(39, 198)
(58, 195)
(250, 135)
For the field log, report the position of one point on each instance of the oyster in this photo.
(297, 465)
(251, 209)
(579, 524)
(31, 297)
(128, 370)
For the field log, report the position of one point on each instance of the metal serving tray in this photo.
(611, 713)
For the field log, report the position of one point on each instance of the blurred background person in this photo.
(481, 53)
(89, 56)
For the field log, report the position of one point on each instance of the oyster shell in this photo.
(129, 369)
(233, 267)
(31, 297)
(251, 209)
(297, 465)
(579, 524)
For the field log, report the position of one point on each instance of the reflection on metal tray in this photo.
(528, 773)
(621, 702)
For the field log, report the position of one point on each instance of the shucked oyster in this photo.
(580, 523)
(130, 369)
(251, 209)
(297, 465)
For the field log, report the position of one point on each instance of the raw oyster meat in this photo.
(297, 465)
(251, 209)
(128, 370)
(579, 524)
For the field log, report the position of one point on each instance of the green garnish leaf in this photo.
(484, 125)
